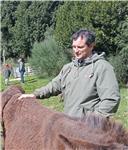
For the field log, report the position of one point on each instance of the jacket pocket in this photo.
(85, 111)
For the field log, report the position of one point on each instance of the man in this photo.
(88, 83)
(21, 69)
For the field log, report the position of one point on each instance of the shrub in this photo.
(120, 63)
(47, 58)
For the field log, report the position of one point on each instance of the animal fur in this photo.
(30, 126)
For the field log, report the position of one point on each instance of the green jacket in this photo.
(89, 85)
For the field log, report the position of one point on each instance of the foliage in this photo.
(69, 18)
(123, 74)
(47, 57)
(20, 32)
(101, 17)
(120, 61)
(23, 23)
(7, 22)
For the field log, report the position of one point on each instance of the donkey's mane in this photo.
(98, 123)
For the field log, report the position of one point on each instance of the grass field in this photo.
(33, 82)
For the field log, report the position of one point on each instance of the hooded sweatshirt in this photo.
(86, 85)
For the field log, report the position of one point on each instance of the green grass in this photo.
(122, 113)
(33, 82)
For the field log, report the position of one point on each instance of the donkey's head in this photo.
(9, 93)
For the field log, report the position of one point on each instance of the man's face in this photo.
(81, 49)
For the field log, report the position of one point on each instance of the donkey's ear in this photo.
(117, 146)
(9, 92)
(70, 143)
(85, 143)
(81, 136)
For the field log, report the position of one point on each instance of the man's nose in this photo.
(76, 49)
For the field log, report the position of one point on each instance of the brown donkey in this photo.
(30, 126)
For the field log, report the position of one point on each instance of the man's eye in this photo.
(79, 47)
(74, 46)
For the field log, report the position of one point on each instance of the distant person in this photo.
(21, 69)
(88, 83)
(6, 73)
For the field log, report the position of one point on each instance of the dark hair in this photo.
(22, 59)
(86, 34)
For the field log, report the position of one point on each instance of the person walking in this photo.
(6, 73)
(88, 83)
(21, 69)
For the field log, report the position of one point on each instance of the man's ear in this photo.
(92, 45)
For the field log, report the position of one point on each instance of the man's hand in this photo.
(26, 95)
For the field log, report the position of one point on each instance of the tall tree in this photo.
(7, 22)
(121, 58)
(25, 24)
(21, 37)
(100, 17)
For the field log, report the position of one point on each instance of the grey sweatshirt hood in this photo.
(90, 60)
(93, 58)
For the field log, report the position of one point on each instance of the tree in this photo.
(7, 22)
(21, 33)
(120, 61)
(23, 23)
(101, 17)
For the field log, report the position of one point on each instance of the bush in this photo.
(120, 63)
(47, 58)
